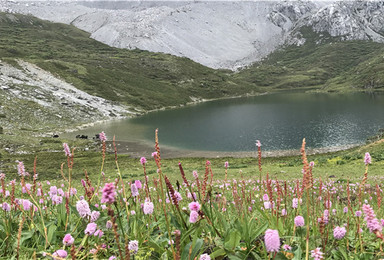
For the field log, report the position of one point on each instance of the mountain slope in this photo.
(136, 78)
(218, 34)
(322, 63)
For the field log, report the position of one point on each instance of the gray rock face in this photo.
(355, 20)
(216, 34)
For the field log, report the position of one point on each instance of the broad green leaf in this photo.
(197, 247)
(298, 254)
(232, 240)
(217, 253)
(234, 257)
(258, 231)
(185, 253)
(51, 233)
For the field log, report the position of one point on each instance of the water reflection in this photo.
(280, 121)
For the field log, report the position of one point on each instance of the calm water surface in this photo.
(279, 121)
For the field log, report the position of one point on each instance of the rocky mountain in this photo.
(223, 34)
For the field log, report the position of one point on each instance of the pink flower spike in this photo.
(367, 158)
(370, 217)
(194, 206)
(272, 240)
(102, 137)
(138, 184)
(339, 232)
(299, 221)
(143, 161)
(317, 254)
(109, 193)
(21, 169)
(67, 151)
(193, 217)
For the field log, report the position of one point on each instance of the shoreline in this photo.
(137, 149)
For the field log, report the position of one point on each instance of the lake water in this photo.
(279, 121)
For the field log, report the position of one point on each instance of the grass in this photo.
(322, 63)
(340, 165)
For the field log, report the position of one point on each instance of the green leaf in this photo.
(25, 235)
(217, 253)
(234, 257)
(51, 233)
(256, 256)
(158, 249)
(298, 254)
(258, 231)
(342, 251)
(232, 240)
(197, 247)
(185, 253)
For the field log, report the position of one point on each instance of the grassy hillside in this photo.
(134, 77)
(322, 63)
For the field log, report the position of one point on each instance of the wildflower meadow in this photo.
(204, 216)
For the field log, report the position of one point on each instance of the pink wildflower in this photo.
(67, 151)
(258, 144)
(21, 169)
(193, 216)
(370, 217)
(226, 164)
(317, 254)
(99, 233)
(134, 190)
(204, 257)
(133, 246)
(143, 161)
(148, 207)
(6, 207)
(68, 240)
(295, 203)
(194, 206)
(59, 254)
(102, 137)
(109, 224)
(138, 184)
(91, 228)
(287, 247)
(109, 193)
(95, 215)
(339, 232)
(272, 240)
(299, 221)
(367, 159)
(82, 207)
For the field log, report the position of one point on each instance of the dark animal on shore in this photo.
(82, 136)
(55, 136)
